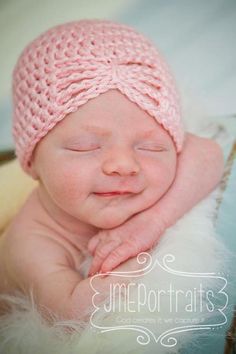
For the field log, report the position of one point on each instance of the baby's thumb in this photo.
(92, 244)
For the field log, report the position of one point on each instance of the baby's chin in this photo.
(110, 220)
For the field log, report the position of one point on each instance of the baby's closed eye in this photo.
(96, 146)
(83, 148)
(152, 147)
(83, 145)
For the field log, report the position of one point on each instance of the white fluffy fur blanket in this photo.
(180, 296)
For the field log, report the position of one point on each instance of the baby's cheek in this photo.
(168, 174)
(169, 166)
(70, 183)
(64, 183)
(165, 174)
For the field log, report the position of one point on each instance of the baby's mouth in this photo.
(113, 194)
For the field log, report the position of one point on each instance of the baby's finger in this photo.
(92, 244)
(101, 252)
(119, 255)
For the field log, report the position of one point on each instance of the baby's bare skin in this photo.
(35, 253)
(44, 246)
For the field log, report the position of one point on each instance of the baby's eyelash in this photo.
(83, 150)
(153, 148)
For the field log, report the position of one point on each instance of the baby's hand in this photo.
(114, 246)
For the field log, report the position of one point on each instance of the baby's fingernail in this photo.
(103, 274)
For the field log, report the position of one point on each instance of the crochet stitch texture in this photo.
(71, 63)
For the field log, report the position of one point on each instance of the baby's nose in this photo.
(121, 162)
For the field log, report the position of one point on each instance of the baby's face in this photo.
(108, 145)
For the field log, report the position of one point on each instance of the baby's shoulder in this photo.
(30, 233)
(25, 219)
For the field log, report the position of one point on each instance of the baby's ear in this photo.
(32, 170)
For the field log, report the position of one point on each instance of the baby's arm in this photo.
(41, 266)
(200, 168)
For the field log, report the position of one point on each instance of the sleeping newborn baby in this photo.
(97, 122)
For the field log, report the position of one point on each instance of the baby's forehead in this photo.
(111, 130)
(110, 111)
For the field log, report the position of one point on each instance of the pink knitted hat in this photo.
(71, 63)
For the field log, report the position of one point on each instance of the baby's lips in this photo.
(131, 190)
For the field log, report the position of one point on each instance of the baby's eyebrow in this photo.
(96, 129)
(100, 131)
